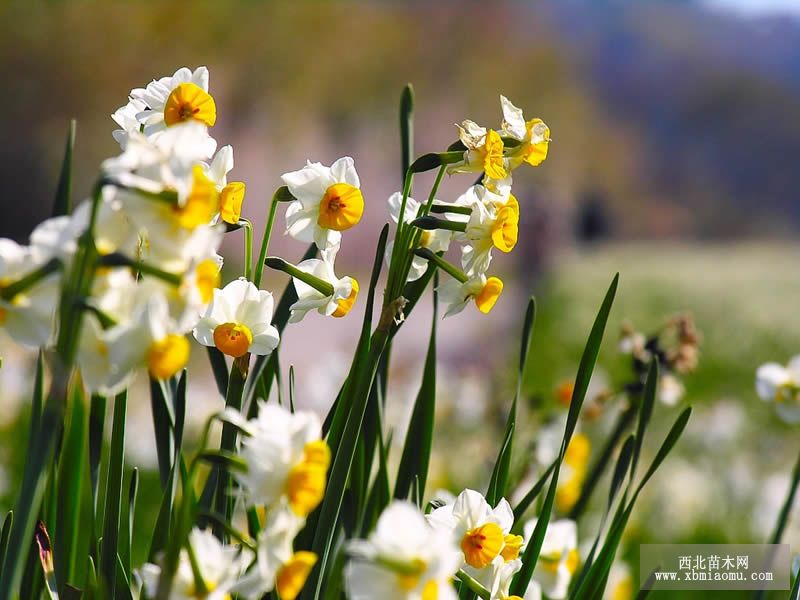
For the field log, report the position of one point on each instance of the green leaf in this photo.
(5, 533)
(588, 360)
(219, 368)
(406, 130)
(786, 509)
(97, 417)
(126, 533)
(163, 424)
(63, 200)
(70, 483)
(221, 458)
(530, 497)
(419, 436)
(108, 552)
(646, 411)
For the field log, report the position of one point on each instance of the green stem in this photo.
(323, 287)
(31, 279)
(445, 266)
(262, 254)
(450, 208)
(428, 223)
(473, 585)
(248, 248)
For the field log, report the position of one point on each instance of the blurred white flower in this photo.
(219, 567)
(493, 223)
(286, 458)
(238, 321)
(558, 558)
(336, 304)
(781, 385)
(670, 389)
(328, 201)
(620, 584)
(403, 559)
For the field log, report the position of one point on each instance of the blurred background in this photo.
(676, 134)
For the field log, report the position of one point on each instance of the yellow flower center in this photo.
(233, 339)
(623, 590)
(305, 485)
(345, 304)
(568, 492)
(230, 202)
(492, 152)
(577, 454)
(430, 591)
(341, 207)
(534, 151)
(408, 579)
(207, 279)
(168, 356)
(505, 228)
(202, 203)
(488, 296)
(481, 544)
(512, 547)
(292, 576)
(189, 101)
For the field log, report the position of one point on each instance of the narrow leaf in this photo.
(108, 555)
(63, 200)
(406, 129)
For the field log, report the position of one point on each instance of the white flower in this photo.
(286, 458)
(171, 100)
(238, 321)
(127, 118)
(403, 559)
(436, 240)
(484, 152)
(558, 558)
(781, 385)
(336, 304)
(149, 339)
(28, 317)
(620, 583)
(277, 565)
(533, 135)
(218, 565)
(502, 574)
(480, 289)
(482, 533)
(670, 389)
(328, 201)
(493, 223)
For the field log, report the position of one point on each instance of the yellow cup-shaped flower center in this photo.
(505, 228)
(408, 578)
(189, 101)
(534, 151)
(623, 590)
(492, 152)
(511, 547)
(345, 304)
(233, 339)
(482, 544)
(230, 202)
(430, 591)
(488, 296)
(305, 485)
(341, 207)
(293, 574)
(552, 562)
(577, 454)
(167, 356)
(207, 279)
(202, 203)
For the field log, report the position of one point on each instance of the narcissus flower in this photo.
(151, 339)
(329, 201)
(558, 558)
(493, 223)
(573, 473)
(781, 385)
(403, 559)
(482, 532)
(287, 459)
(218, 565)
(533, 136)
(238, 321)
(620, 583)
(172, 100)
(277, 566)
(338, 296)
(484, 152)
(126, 118)
(479, 289)
(231, 194)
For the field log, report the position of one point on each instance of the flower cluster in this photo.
(411, 556)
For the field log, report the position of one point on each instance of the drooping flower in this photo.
(277, 565)
(403, 559)
(286, 458)
(533, 136)
(336, 301)
(219, 567)
(479, 289)
(483, 533)
(781, 385)
(328, 201)
(177, 99)
(238, 321)
(484, 152)
(493, 223)
(558, 558)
